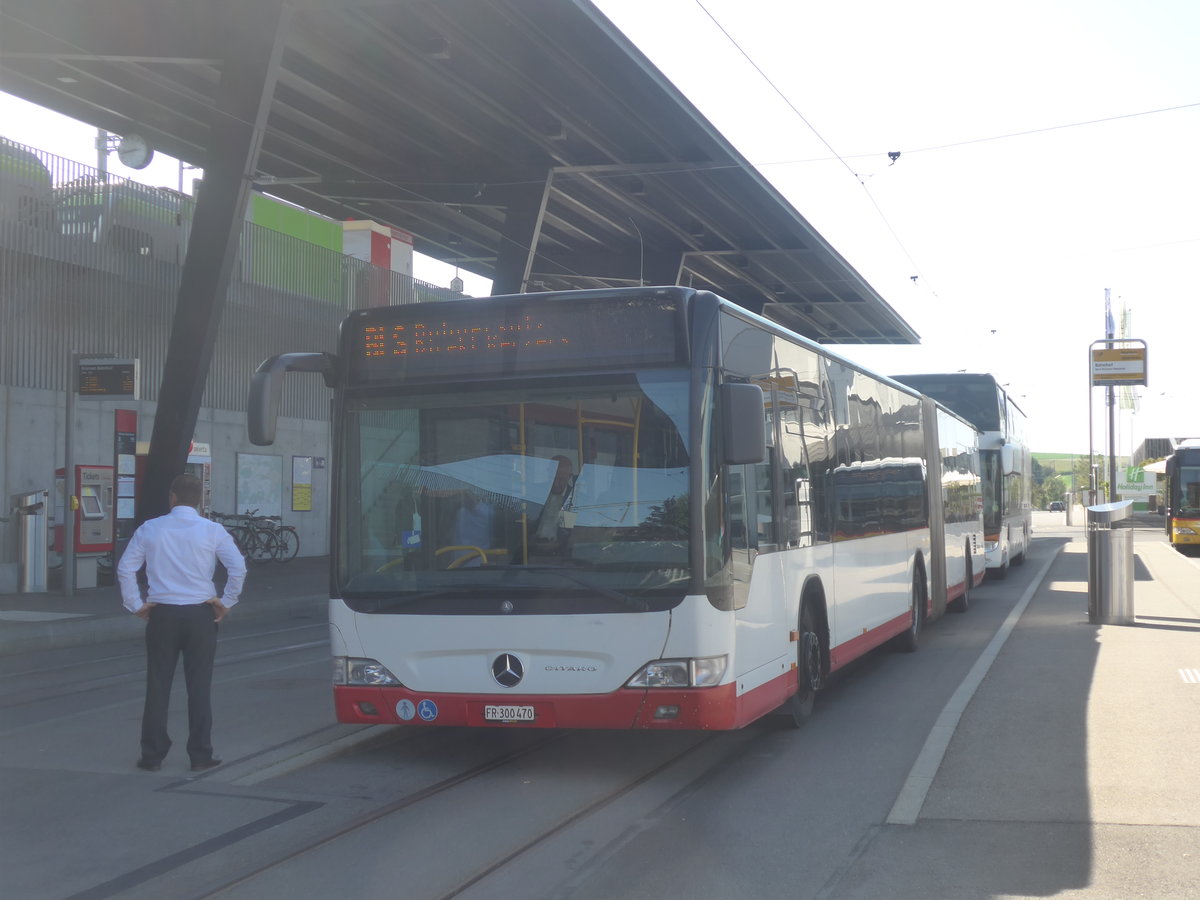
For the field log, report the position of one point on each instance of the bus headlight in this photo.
(705, 671)
(1183, 529)
(353, 671)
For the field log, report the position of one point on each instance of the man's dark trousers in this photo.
(174, 630)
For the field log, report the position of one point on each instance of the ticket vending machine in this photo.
(94, 518)
(199, 463)
(92, 503)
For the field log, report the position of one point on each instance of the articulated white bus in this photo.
(1006, 459)
(632, 508)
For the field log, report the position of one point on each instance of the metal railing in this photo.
(91, 263)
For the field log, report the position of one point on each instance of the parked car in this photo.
(1058, 506)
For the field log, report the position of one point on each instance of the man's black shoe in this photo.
(206, 765)
(148, 766)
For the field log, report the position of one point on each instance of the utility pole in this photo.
(1111, 392)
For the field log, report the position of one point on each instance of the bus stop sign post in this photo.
(1117, 364)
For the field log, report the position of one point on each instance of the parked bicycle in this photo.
(287, 539)
(261, 538)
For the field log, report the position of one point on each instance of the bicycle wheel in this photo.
(263, 546)
(241, 538)
(287, 543)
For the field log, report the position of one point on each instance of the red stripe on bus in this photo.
(719, 708)
(852, 649)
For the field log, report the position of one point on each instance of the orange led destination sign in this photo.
(439, 336)
(480, 337)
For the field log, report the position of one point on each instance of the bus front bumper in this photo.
(1185, 531)
(715, 708)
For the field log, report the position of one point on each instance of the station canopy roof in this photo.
(456, 121)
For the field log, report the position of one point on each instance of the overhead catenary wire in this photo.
(857, 176)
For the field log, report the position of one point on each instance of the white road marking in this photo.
(907, 808)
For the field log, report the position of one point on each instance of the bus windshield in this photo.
(526, 497)
(1189, 491)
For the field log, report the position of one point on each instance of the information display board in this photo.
(108, 378)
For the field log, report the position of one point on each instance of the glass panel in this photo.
(1189, 491)
(974, 397)
(570, 498)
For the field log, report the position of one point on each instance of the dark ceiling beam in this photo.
(114, 29)
(629, 268)
(87, 102)
(239, 121)
(523, 97)
(519, 238)
(731, 265)
(455, 125)
(314, 68)
(110, 58)
(634, 169)
(648, 211)
(160, 103)
(403, 190)
(628, 264)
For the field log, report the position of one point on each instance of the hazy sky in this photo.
(1014, 221)
(1048, 151)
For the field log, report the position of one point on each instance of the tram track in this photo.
(172, 868)
(258, 881)
(133, 670)
(72, 661)
(561, 827)
(369, 818)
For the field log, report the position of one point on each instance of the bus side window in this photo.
(751, 520)
(738, 536)
(764, 533)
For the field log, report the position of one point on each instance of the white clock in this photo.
(134, 151)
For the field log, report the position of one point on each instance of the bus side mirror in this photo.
(266, 390)
(1008, 460)
(744, 417)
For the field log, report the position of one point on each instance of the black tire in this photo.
(911, 638)
(810, 670)
(1001, 573)
(963, 603)
(262, 546)
(1019, 559)
(241, 538)
(287, 544)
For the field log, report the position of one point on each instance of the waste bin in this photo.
(1110, 564)
(33, 515)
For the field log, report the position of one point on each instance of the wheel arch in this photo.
(920, 571)
(813, 593)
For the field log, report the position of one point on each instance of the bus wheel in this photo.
(963, 603)
(809, 672)
(1019, 559)
(908, 641)
(1001, 573)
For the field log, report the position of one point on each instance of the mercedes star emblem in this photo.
(507, 670)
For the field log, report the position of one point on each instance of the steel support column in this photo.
(519, 239)
(235, 138)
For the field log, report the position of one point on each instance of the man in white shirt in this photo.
(180, 551)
